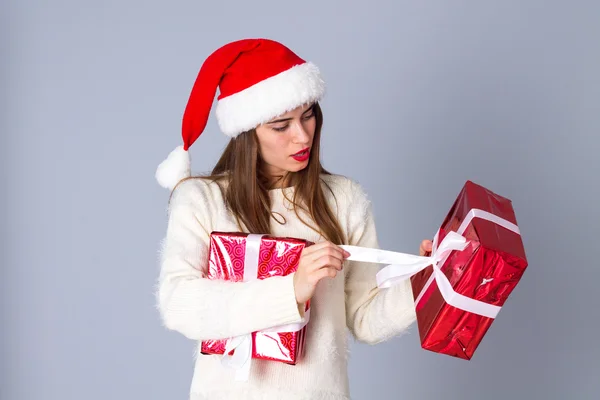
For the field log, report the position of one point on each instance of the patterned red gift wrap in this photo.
(277, 257)
(488, 270)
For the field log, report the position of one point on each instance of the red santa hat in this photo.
(258, 80)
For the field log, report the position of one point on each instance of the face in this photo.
(285, 141)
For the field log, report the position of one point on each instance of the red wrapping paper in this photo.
(277, 257)
(488, 270)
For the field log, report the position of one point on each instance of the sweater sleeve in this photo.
(373, 315)
(203, 309)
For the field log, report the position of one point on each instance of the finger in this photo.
(332, 250)
(315, 248)
(326, 244)
(328, 261)
(426, 245)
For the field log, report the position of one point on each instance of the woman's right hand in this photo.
(321, 260)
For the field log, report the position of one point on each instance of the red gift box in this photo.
(236, 256)
(486, 270)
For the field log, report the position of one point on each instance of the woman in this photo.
(270, 180)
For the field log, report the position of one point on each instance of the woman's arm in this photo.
(373, 315)
(203, 309)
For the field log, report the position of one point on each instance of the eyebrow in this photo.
(312, 108)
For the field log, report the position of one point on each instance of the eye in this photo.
(280, 128)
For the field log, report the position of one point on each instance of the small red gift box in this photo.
(486, 270)
(236, 256)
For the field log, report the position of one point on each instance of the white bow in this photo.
(402, 266)
(241, 359)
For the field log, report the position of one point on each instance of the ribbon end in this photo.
(241, 358)
(243, 374)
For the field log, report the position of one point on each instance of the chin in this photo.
(298, 167)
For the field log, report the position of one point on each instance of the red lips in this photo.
(302, 155)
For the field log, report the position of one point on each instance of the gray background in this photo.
(422, 96)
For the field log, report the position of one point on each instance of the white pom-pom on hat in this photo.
(174, 168)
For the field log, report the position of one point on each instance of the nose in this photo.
(300, 135)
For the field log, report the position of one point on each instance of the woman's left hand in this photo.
(425, 249)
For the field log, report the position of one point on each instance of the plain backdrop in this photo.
(421, 97)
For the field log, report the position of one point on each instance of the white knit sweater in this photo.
(206, 309)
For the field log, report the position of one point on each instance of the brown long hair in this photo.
(246, 192)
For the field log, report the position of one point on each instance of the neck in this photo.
(282, 179)
(277, 180)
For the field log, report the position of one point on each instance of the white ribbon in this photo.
(403, 266)
(241, 359)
